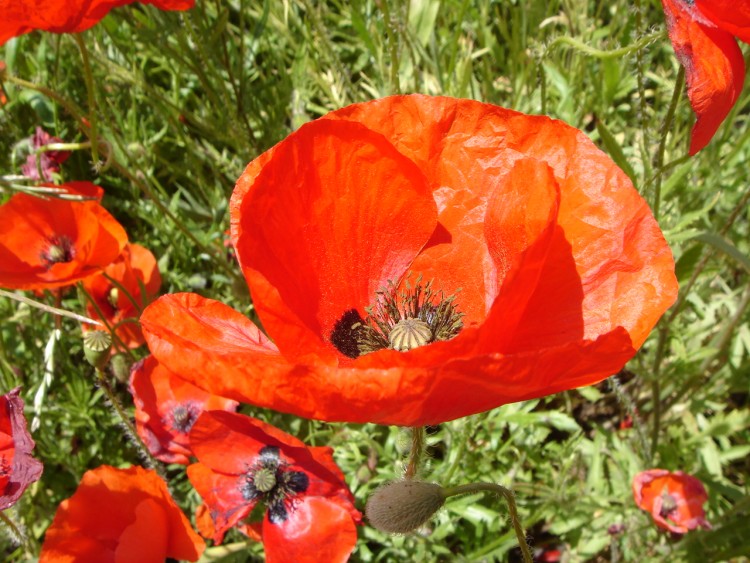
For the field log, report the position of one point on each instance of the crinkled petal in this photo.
(334, 213)
(728, 15)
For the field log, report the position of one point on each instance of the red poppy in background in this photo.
(65, 16)
(166, 407)
(48, 243)
(137, 274)
(17, 468)
(703, 40)
(417, 259)
(675, 500)
(309, 513)
(119, 516)
(41, 166)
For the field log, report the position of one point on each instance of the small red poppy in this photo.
(509, 245)
(137, 274)
(17, 468)
(675, 500)
(309, 513)
(166, 407)
(65, 16)
(119, 516)
(41, 166)
(48, 243)
(714, 66)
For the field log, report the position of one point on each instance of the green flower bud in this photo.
(400, 507)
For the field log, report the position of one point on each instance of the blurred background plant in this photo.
(182, 101)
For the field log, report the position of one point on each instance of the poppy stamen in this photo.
(402, 321)
(184, 416)
(60, 249)
(668, 504)
(271, 481)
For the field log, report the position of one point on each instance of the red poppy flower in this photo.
(166, 407)
(546, 269)
(714, 66)
(17, 468)
(65, 16)
(48, 243)
(137, 274)
(675, 500)
(309, 514)
(119, 516)
(41, 166)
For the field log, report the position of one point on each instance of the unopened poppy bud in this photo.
(401, 507)
(96, 348)
(120, 365)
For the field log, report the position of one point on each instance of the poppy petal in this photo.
(145, 539)
(714, 68)
(319, 529)
(337, 202)
(728, 15)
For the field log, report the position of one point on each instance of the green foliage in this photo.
(185, 100)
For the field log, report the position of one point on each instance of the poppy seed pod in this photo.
(97, 346)
(400, 507)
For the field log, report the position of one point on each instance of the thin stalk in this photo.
(48, 308)
(601, 54)
(392, 47)
(130, 430)
(507, 494)
(666, 128)
(17, 534)
(415, 453)
(89, 78)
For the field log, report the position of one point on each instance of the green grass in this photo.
(184, 101)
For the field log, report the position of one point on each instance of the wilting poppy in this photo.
(166, 407)
(121, 291)
(308, 512)
(675, 500)
(17, 468)
(417, 259)
(48, 243)
(41, 165)
(65, 16)
(118, 516)
(714, 66)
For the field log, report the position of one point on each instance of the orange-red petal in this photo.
(728, 15)
(81, 531)
(334, 214)
(714, 68)
(64, 16)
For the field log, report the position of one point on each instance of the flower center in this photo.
(402, 321)
(668, 504)
(270, 480)
(59, 250)
(183, 417)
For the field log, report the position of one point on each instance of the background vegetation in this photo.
(185, 100)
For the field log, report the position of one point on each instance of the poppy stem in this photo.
(47, 308)
(415, 453)
(88, 77)
(509, 497)
(392, 46)
(130, 431)
(16, 533)
(679, 84)
(601, 54)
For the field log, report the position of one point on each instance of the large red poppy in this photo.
(65, 16)
(675, 500)
(704, 43)
(17, 468)
(48, 243)
(137, 274)
(308, 512)
(166, 407)
(522, 225)
(120, 516)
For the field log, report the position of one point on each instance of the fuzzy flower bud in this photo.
(401, 507)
